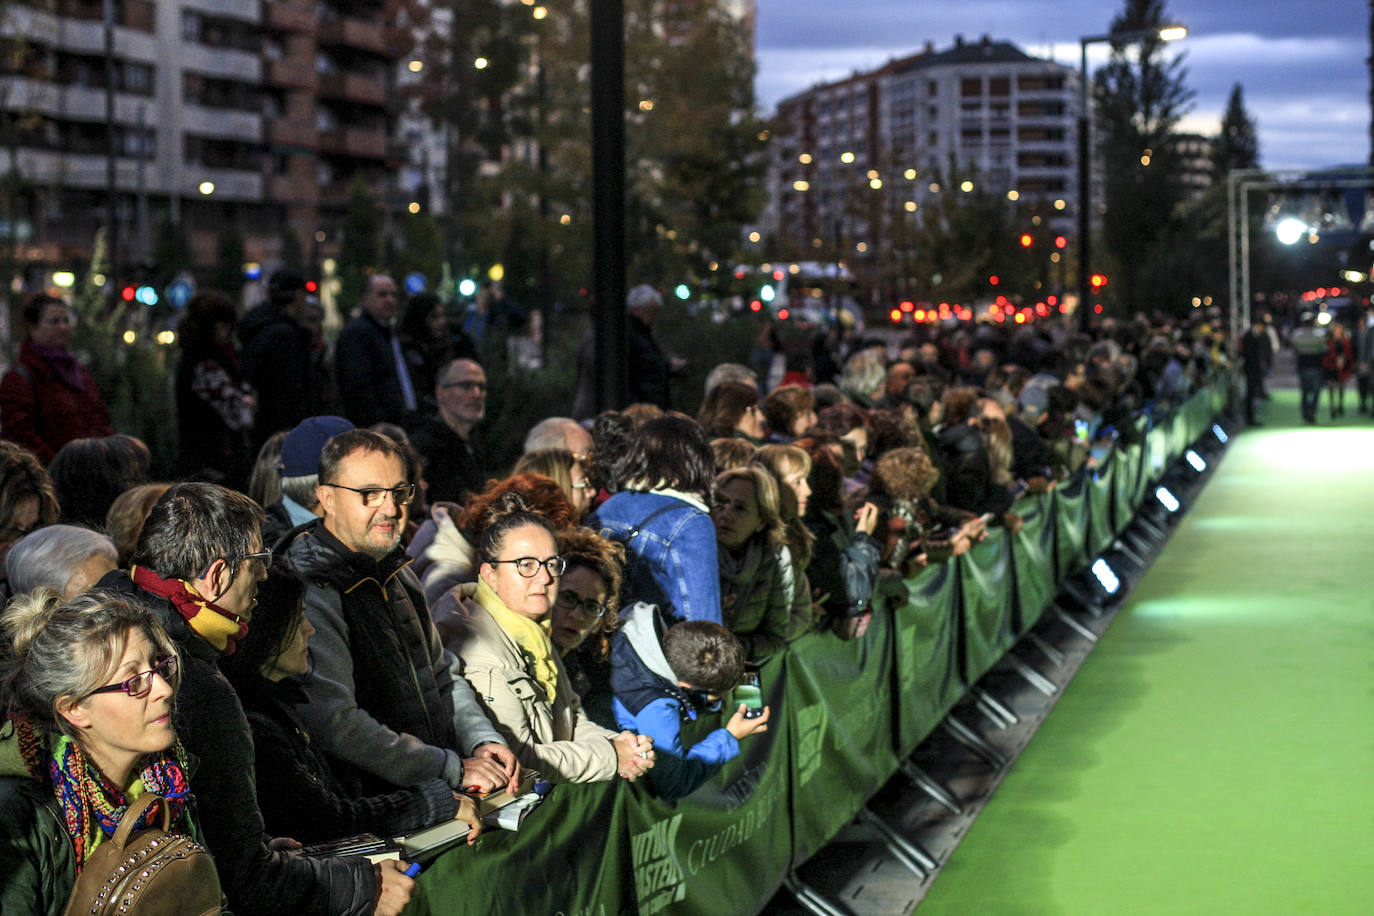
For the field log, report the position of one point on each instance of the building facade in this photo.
(854, 157)
(207, 113)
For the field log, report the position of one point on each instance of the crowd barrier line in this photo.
(844, 716)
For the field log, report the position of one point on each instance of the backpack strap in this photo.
(134, 812)
(634, 531)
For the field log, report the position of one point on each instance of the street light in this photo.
(1163, 33)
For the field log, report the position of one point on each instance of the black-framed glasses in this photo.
(262, 556)
(529, 566)
(139, 685)
(374, 496)
(587, 608)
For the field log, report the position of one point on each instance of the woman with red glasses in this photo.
(87, 686)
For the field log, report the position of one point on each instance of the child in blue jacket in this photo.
(659, 685)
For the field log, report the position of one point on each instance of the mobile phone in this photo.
(750, 693)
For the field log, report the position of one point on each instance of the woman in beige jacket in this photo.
(499, 629)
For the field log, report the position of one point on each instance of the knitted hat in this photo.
(300, 450)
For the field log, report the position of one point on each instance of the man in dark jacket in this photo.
(1255, 355)
(275, 357)
(197, 566)
(650, 370)
(387, 702)
(445, 441)
(374, 383)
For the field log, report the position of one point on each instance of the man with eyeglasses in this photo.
(387, 702)
(197, 566)
(445, 441)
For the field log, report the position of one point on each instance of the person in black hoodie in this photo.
(215, 408)
(197, 565)
(275, 357)
(298, 793)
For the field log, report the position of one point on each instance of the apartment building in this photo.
(846, 153)
(212, 113)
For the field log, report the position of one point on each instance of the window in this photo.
(999, 85)
(971, 86)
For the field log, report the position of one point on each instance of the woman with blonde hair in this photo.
(563, 468)
(87, 690)
(757, 574)
(790, 466)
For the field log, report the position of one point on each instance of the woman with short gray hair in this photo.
(66, 558)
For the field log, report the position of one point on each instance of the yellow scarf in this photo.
(532, 638)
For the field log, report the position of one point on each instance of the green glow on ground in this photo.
(1215, 753)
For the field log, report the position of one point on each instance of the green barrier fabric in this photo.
(730, 840)
(1124, 486)
(843, 710)
(985, 600)
(927, 662)
(1100, 485)
(844, 713)
(1032, 555)
(570, 856)
(1070, 526)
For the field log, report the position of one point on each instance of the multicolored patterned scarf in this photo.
(210, 622)
(91, 805)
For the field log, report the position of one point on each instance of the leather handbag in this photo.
(154, 872)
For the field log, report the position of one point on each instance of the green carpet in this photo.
(1214, 753)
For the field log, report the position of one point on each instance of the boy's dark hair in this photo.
(704, 655)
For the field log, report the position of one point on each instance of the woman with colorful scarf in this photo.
(87, 687)
(500, 627)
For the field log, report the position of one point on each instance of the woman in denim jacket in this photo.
(661, 517)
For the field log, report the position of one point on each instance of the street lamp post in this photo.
(1163, 33)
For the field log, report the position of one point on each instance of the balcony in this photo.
(353, 87)
(291, 73)
(358, 142)
(348, 32)
(286, 132)
(291, 15)
(290, 189)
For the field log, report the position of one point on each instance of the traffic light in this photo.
(1098, 281)
(1026, 240)
(1060, 242)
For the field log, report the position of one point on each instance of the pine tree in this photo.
(1237, 145)
(1140, 98)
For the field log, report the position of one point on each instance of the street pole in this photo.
(608, 202)
(1085, 159)
(1172, 32)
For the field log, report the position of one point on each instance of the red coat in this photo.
(1339, 361)
(43, 411)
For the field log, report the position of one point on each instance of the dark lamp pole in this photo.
(1085, 161)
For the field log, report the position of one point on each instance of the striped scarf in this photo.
(91, 805)
(210, 622)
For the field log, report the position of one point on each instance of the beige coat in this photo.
(558, 740)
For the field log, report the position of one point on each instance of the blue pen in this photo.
(412, 869)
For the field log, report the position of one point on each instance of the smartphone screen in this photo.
(750, 694)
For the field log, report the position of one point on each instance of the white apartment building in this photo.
(846, 152)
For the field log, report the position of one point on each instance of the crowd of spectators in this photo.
(366, 627)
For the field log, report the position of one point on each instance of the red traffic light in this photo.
(1026, 240)
(1098, 280)
(994, 280)
(311, 286)
(1060, 242)
(128, 293)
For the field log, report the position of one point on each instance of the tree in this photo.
(227, 274)
(1140, 98)
(1237, 145)
(360, 252)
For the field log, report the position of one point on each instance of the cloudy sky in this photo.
(1300, 63)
